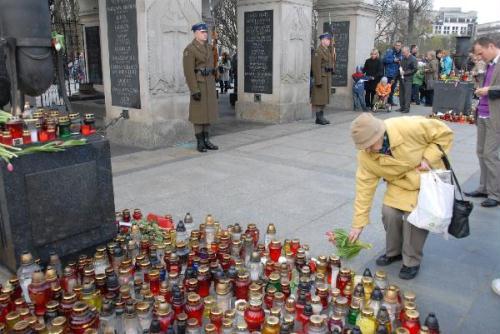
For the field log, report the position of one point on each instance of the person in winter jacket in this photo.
(396, 150)
(446, 63)
(383, 90)
(374, 68)
(358, 89)
(392, 60)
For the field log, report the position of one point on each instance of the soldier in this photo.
(322, 69)
(200, 77)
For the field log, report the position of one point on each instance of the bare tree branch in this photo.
(225, 16)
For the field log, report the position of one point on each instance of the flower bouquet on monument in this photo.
(346, 249)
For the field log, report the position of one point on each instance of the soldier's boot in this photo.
(323, 116)
(320, 119)
(208, 144)
(200, 146)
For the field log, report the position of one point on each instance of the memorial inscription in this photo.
(258, 45)
(123, 53)
(340, 32)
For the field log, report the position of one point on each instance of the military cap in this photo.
(200, 26)
(325, 35)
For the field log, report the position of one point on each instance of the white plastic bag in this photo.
(435, 204)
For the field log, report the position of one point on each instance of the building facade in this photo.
(453, 21)
(490, 29)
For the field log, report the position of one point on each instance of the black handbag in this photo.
(459, 226)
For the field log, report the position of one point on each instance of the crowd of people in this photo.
(403, 67)
(415, 144)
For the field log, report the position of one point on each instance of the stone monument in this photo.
(352, 23)
(274, 41)
(142, 43)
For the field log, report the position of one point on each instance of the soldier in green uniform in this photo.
(200, 77)
(322, 69)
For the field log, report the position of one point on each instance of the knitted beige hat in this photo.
(366, 130)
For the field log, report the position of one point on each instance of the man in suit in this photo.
(488, 124)
(406, 71)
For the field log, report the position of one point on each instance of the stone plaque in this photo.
(258, 49)
(93, 43)
(123, 53)
(340, 32)
(60, 201)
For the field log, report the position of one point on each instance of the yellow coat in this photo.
(411, 138)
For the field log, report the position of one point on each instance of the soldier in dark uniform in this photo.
(322, 69)
(200, 77)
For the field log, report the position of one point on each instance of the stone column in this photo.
(353, 27)
(147, 78)
(274, 60)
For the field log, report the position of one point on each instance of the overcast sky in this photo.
(487, 10)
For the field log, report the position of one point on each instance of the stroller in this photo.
(381, 105)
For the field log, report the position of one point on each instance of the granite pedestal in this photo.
(56, 201)
(456, 96)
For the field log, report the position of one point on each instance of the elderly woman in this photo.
(396, 150)
(374, 69)
(431, 74)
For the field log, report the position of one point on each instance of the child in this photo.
(383, 90)
(358, 89)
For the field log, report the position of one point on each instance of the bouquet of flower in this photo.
(346, 249)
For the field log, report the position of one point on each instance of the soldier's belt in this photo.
(205, 71)
(328, 69)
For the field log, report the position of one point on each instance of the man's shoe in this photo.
(200, 143)
(320, 119)
(323, 117)
(475, 193)
(408, 272)
(489, 203)
(209, 145)
(385, 260)
(405, 111)
(399, 110)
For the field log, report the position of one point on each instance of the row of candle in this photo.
(203, 280)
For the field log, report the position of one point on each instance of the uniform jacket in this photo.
(432, 73)
(411, 139)
(200, 56)
(391, 67)
(322, 60)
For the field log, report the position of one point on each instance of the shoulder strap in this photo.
(447, 164)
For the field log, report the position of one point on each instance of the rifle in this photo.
(215, 40)
(332, 44)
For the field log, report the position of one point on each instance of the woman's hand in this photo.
(424, 165)
(355, 233)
